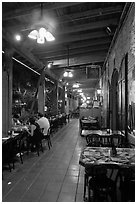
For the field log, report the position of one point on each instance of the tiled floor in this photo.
(54, 176)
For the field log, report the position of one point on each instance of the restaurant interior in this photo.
(73, 62)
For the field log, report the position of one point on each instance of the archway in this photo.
(113, 93)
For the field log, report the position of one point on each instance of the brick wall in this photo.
(124, 43)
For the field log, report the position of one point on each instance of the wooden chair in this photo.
(21, 144)
(88, 174)
(117, 140)
(105, 141)
(36, 141)
(103, 183)
(8, 153)
(127, 184)
(48, 138)
(93, 140)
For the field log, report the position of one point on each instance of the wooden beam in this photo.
(83, 44)
(79, 60)
(29, 56)
(70, 39)
(88, 26)
(98, 51)
(92, 13)
(64, 53)
(26, 11)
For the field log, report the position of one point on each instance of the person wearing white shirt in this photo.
(43, 123)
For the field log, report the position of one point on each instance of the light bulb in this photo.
(70, 74)
(40, 40)
(65, 74)
(33, 34)
(49, 36)
(18, 37)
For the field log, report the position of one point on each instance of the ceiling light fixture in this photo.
(18, 37)
(76, 85)
(68, 73)
(41, 34)
(79, 91)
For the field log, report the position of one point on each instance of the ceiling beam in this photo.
(29, 56)
(78, 66)
(88, 26)
(69, 39)
(79, 60)
(64, 53)
(82, 44)
(99, 12)
(26, 11)
(85, 52)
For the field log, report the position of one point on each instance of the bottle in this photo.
(114, 151)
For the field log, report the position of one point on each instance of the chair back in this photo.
(117, 140)
(105, 141)
(110, 171)
(93, 140)
(49, 131)
(8, 150)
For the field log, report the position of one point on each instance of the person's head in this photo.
(40, 115)
(32, 120)
(16, 116)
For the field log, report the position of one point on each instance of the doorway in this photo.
(113, 93)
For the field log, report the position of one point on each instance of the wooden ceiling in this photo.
(83, 34)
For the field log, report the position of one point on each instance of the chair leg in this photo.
(9, 166)
(21, 158)
(85, 186)
(41, 146)
(37, 148)
(48, 143)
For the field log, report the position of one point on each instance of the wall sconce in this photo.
(50, 65)
(98, 91)
(40, 35)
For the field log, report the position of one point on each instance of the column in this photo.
(63, 100)
(7, 77)
(41, 97)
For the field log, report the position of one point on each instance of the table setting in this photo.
(100, 155)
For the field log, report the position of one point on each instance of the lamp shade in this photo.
(49, 36)
(33, 34)
(65, 74)
(40, 40)
(70, 74)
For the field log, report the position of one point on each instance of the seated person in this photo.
(43, 123)
(15, 120)
(35, 132)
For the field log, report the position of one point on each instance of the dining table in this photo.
(91, 156)
(20, 128)
(13, 135)
(101, 132)
(89, 123)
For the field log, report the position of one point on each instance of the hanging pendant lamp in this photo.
(67, 72)
(41, 34)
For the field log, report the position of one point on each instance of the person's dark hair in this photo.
(40, 114)
(16, 116)
(32, 120)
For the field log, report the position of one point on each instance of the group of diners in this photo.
(29, 136)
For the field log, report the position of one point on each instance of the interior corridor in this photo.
(54, 176)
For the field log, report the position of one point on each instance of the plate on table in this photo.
(119, 160)
(5, 138)
(15, 134)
